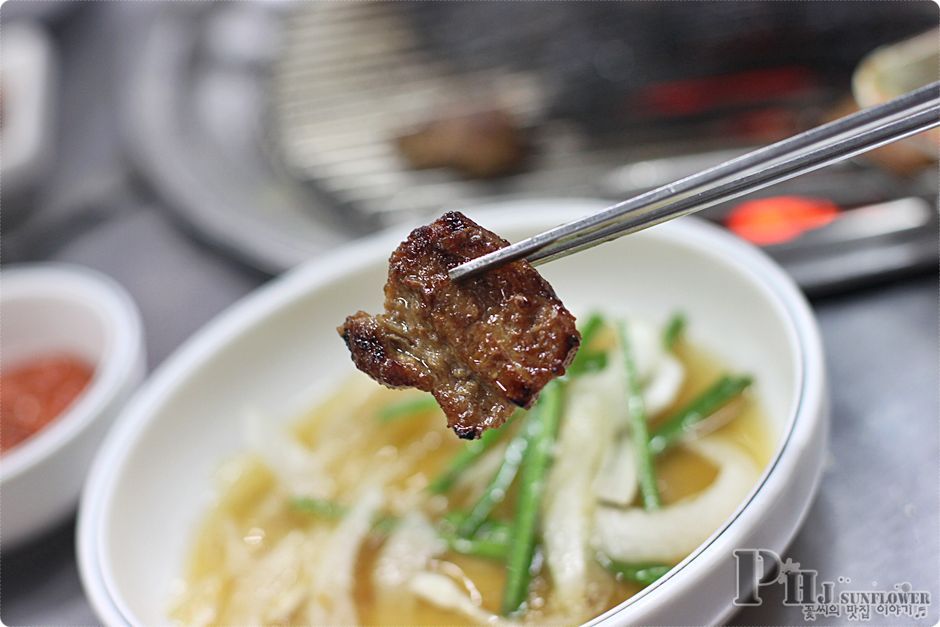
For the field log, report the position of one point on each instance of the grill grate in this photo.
(353, 76)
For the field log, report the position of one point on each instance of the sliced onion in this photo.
(671, 533)
(647, 347)
(616, 480)
(662, 388)
(660, 374)
(569, 505)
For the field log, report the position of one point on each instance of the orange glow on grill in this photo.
(780, 219)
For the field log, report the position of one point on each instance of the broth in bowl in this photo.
(368, 509)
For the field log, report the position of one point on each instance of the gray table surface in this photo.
(876, 519)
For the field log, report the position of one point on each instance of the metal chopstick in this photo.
(777, 173)
(838, 140)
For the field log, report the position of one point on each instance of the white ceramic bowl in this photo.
(151, 481)
(57, 308)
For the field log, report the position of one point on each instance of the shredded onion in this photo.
(407, 551)
(334, 573)
(442, 591)
(273, 585)
(299, 470)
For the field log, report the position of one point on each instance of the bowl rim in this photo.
(267, 299)
(123, 349)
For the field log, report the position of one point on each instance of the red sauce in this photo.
(33, 393)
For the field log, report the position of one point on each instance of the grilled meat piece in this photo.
(485, 144)
(481, 346)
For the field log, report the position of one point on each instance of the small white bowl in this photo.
(151, 483)
(51, 308)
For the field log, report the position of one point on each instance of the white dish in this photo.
(151, 482)
(57, 308)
